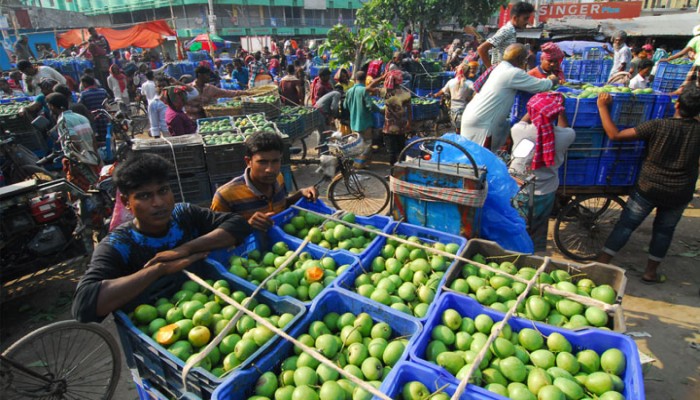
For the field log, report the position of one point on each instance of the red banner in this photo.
(504, 16)
(603, 10)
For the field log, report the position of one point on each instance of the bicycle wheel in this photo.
(361, 192)
(584, 224)
(80, 361)
(25, 172)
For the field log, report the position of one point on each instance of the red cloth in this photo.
(393, 79)
(118, 75)
(146, 35)
(319, 89)
(543, 109)
(482, 79)
(408, 44)
(375, 67)
(551, 52)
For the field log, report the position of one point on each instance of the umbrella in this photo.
(203, 41)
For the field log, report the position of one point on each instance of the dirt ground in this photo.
(667, 315)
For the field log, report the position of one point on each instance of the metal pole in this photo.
(212, 18)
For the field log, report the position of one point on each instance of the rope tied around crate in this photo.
(461, 196)
(177, 170)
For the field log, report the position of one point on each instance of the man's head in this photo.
(264, 157)
(520, 14)
(5, 86)
(238, 63)
(689, 101)
(143, 183)
(89, 71)
(619, 39)
(516, 55)
(396, 57)
(217, 62)
(291, 69)
(16, 76)
(87, 80)
(149, 75)
(64, 90)
(360, 77)
(203, 74)
(57, 103)
(325, 74)
(46, 85)
(645, 67)
(92, 31)
(551, 57)
(27, 67)
(408, 31)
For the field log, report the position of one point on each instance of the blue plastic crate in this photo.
(406, 371)
(578, 172)
(188, 68)
(519, 109)
(425, 92)
(614, 171)
(147, 391)
(583, 113)
(174, 71)
(378, 120)
(291, 58)
(662, 104)
(423, 112)
(633, 149)
(571, 69)
(631, 110)
(263, 242)
(197, 56)
(229, 84)
(336, 300)
(154, 363)
(593, 53)
(378, 221)
(591, 67)
(593, 339)
(426, 235)
(588, 143)
(667, 71)
(666, 85)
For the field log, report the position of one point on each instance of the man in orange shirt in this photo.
(550, 62)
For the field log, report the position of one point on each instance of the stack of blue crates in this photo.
(670, 77)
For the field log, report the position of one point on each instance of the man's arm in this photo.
(309, 192)
(678, 55)
(57, 76)
(522, 81)
(604, 101)
(483, 51)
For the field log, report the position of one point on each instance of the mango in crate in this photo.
(333, 236)
(11, 109)
(214, 126)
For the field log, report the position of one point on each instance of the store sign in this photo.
(603, 10)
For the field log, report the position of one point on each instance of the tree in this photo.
(374, 40)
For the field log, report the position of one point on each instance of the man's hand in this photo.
(171, 267)
(261, 221)
(310, 193)
(665, 60)
(554, 79)
(168, 255)
(604, 100)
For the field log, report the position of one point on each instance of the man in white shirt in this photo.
(32, 75)
(535, 128)
(623, 54)
(641, 80)
(148, 88)
(520, 14)
(486, 115)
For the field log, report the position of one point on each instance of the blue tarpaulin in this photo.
(571, 47)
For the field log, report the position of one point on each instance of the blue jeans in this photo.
(636, 210)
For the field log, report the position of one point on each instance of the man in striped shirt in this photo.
(259, 193)
(520, 14)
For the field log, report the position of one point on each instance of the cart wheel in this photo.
(361, 192)
(585, 223)
(80, 361)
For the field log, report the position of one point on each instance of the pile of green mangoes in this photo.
(304, 278)
(228, 104)
(500, 292)
(363, 347)
(223, 124)
(681, 61)
(524, 364)
(224, 138)
(404, 277)
(10, 109)
(592, 92)
(423, 101)
(185, 323)
(263, 99)
(254, 123)
(332, 235)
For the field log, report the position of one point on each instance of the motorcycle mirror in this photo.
(523, 149)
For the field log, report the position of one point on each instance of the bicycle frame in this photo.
(13, 364)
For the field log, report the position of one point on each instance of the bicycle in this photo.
(63, 360)
(358, 191)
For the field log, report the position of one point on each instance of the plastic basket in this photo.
(588, 143)
(155, 364)
(423, 112)
(148, 391)
(571, 69)
(613, 171)
(195, 188)
(667, 71)
(407, 371)
(229, 84)
(662, 104)
(632, 110)
(291, 125)
(593, 339)
(666, 85)
(426, 235)
(263, 243)
(271, 110)
(612, 149)
(15, 123)
(201, 122)
(520, 106)
(174, 71)
(601, 274)
(380, 222)
(218, 180)
(578, 172)
(187, 151)
(197, 56)
(32, 140)
(378, 120)
(335, 300)
(225, 159)
(583, 113)
(593, 53)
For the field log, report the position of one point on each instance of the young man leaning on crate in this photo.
(259, 193)
(163, 239)
(666, 179)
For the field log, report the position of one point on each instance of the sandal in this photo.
(659, 278)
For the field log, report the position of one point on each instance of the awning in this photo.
(660, 25)
(146, 35)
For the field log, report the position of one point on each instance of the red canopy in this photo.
(146, 35)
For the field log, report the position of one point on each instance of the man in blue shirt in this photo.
(240, 73)
(92, 97)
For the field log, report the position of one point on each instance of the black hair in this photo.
(360, 76)
(521, 8)
(149, 75)
(324, 72)
(139, 170)
(291, 69)
(636, 50)
(257, 56)
(88, 71)
(23, 64)
(689, 101)
(263, 141)
(645, 63)
(202, 70)
(63, 89)
(87, 80)
(57, 100)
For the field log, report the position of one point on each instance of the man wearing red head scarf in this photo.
(397, 112)
(550, 62)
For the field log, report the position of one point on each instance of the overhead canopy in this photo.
(146, 35)
(205, 41)
(659, 25)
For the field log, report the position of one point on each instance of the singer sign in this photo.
(602, 10)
